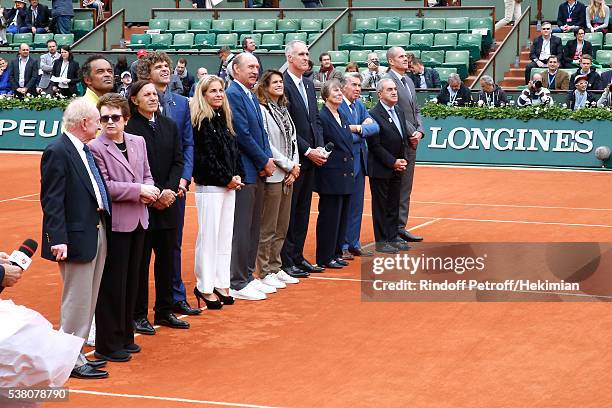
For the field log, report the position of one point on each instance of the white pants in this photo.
(512, 8)
(215, 231)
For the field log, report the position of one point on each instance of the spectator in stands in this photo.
(491, 94)
(39, 17)
(312, 3)
(249, 45)
(351, 67)
(46, 66)
(579, 97)
(374, 72)
(575, 49)
(535, 93)
(97, 73)
(187, 79)
(437, 3)
(24, 73)
(200, 73)
(554, 77)
(65, 74)
(543, 47)
(456, 93)
(175, 85)
(587, 69)
(62, 12)
(326, 70)
(423, 77)
(96, 5)
(126, 84)
(2, 28)
(606, 77)
(606, 96)
(310, 73)
(571, 16)
(226, 56)
(597, 16)
(203, 4)
(512, 11)
(17, 18)
(134, 65)
(5, 86)
(120, 66)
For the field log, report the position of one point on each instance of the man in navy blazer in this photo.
(39, 17)
(570, 17)
(29, 66)
(258, 163)
(362, 125)
(543, 47)
(300, 92)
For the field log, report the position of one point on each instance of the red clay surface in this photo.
(317, 344)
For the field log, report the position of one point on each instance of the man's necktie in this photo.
(97, 178)
(405, 82)
(396, 121)
(303, 93)
(163, 101)
(152, 125)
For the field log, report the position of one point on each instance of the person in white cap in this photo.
(126, 83)
(16, 18)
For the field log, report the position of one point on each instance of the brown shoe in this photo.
(347, 255)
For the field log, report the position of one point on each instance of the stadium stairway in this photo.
(516, 76)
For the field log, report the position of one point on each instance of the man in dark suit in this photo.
(76, 219)
(423, 77)
(24, 73)
(606, 77)
(17, 18)
(407, 103)
(386, 163)
(455, 93)
(543, 47)
(300, 92)
(249, 45)
(571, 16)
(257, 160)
(39, 17)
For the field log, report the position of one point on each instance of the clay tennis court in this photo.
(317, 345)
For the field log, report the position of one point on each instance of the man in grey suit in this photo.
(46, 66)
(399, 65)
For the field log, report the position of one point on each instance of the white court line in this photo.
(30, 152)
(172, 399)
(423, 224)
(544, 207)
(17, 198)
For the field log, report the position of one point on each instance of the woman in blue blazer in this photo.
(335, 180)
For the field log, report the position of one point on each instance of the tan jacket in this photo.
(561, 81)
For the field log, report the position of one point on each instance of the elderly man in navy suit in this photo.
(362, 126)
(257, 159)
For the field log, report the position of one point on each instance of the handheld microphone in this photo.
(23, 256)
(327, 150)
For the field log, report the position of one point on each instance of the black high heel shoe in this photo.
(210, 304)
(227, 300)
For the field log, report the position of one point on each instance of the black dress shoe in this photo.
(143, 326)
(334, 265)
(170, 320)
(361, 252)
(310, 268)
(97, 363)
(296, 272)
(386, 248)
(400, 245)
(88, 372)
(120, 356)
(346, 254)
(408, 237)
(225, 299)
(342, 262)
(132, 348)
(183, 307)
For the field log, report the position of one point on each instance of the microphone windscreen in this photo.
(28, 247)
(329, 147)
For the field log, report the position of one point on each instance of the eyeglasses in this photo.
(107, 118)
(545, 29)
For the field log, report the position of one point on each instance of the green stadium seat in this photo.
(339, 57)
(139, 41)
(230, 40)
(9, 38)
(161, 41)
(411, 24)
(374, 40)
(311, 25)
(295, 37)
(565, 37)
(457, 24)
(360, 57)
(265, 25)
(199, 25)
(351, 41)
(178, 25)
(205, 41)
(272, 41)
(602, 56)
(569, 71)
(382, 57)
(327, 22)
(596, 40)
(414, 53)
(63, 39)
(23, 38)
(243, 26)
(483, 22)
(81, 27)
(288, 25)
(608, 42)
(388, 24)
(419, 41)
(432, 58)
(472, 43)
(183, 41)
(40, 40)
(160, 24)
(538, 70)
(398, 39)
(445, 41)
(221, 26)
(444, 72)
(433, 25)
(459, 60)
(256, 37)
(365, 25)
(312, 37)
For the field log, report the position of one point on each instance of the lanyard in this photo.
(452, 96)
(64, 69)
(490, 102)
(570, 10)
(551, 80)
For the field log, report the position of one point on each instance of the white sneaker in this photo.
(285, 277)
(91, 339)
(272, 280)
(262, 287)
(247, 293)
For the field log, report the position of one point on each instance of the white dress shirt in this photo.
(79, 147)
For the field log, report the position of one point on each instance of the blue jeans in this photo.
(16, 30)
(312, 4)
(63, 24)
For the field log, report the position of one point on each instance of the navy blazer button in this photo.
(344, 174)
(352, 174)
(345, 159)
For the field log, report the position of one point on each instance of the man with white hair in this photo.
(456, 93)
(491, 94)
(76, 219)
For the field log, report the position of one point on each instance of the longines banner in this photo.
(453, 140)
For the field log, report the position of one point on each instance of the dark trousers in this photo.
(385, 206)
(245, 242)
(292, 253)
(331, 226)
(407, 176)
(161, 241)
(353, 228)
(118, 290)
(178, 288)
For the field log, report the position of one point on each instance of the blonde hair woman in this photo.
(597, 16)
(217, 172)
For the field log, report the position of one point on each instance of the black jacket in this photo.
(578, 15)
(43, 17)
(463, 96)
(432, 78)
(187, 82)
(570, 49)
(22, 18)
(73, 73)
(595, 82)
(388, 145)
(498, 96)
(556, 48)
(165, 154)
(571, 99)
(31, 74)
(216, 156)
